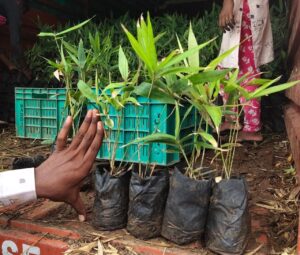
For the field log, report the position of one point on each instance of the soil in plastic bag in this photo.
(147, 201)
(228, 224)
(27, 162)
(111, 201)
(186, 209)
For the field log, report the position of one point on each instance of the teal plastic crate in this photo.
(39, 112)
(139, 121)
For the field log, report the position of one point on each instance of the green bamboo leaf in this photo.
(65, 64)
(75, 60)
(53, 64)
(81, 55)
(73, 28)
(142, 33)
(177, 70)
(214, 63)
(208, 137)
(181, 50)
(109, 123)
(233, 76)
(116, 104)
(123, 64)
(187, 113)
(159, 36)
(186, 138)
(138, 50)
(266, 85)
(156, 138)
(147, 90)
(192, 43)
(132, 100)
(113, 86)
(46, 34)
(202, 93)
(180, 57)
(180, 86)
(273, 90)
(259, 81)
(70, 48)
(166, 60)
(170, 79)
(151, 43)
(87, 91)
(215, 113)
(208, 76)
(208, 146)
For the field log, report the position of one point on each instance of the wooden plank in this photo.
(292, 122)
(294, 50)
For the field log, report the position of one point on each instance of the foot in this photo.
(250, 136)
(229, 125)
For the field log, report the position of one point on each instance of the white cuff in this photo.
(17, 186)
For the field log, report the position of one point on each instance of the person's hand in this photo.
(226, 18)
(59, 178)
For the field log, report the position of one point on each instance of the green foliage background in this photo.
(111, 36)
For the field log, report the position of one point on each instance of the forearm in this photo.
(228, 4)
(17, 187)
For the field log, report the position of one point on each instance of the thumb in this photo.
(78, 205)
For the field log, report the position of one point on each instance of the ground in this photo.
(267, 167)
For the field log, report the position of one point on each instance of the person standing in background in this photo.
(246, 22)
(11, 12)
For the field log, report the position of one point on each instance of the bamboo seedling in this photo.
(114, 96)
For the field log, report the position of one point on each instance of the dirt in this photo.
(267, 167)
(274, 193)
(12, 147)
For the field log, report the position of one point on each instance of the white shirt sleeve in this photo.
(17, 186)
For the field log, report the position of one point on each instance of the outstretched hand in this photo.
(60, 177)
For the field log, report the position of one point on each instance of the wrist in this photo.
(39, 182)
(227, 2)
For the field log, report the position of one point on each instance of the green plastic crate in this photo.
(139, 121)
(39, 112)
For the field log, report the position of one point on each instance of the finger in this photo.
(78, 205)
(90, 134)
(227, 23)
(233, 20)
(231, 25)
(220, 21)
(223, 22)
(95, 146)
(82, 131)
(62, 137)
(227, 28)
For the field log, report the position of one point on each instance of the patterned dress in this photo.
(252, 108)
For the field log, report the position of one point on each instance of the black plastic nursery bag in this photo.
(228, 224)
(147, 200)
(186, 208)
(111, 201)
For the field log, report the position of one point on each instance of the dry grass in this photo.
(12, 147)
